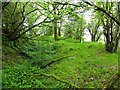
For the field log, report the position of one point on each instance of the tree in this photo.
(74, 26)
(115, 77)
(93, 28)
(103, 11)
(80, 27)
(111, 33)
(55, 21)
(23, 18)
(74, 22)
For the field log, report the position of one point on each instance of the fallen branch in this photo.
(56, 78)
(64, 81)
(111, 81)
(54, 61)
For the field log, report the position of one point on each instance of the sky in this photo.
(87, 16)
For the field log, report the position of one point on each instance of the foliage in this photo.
(15, 77)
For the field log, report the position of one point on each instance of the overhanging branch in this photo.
(103, 10)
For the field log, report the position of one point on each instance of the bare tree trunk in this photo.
(93, 38)
(55, 30)
(55, 23)
(59, 28)
(59, 31)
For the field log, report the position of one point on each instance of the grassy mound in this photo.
(86, 65)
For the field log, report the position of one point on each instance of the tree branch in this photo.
(55, 77)
(54, 61)
(102, 10)
(111, 81)
(64, 81)
(89, 29)
(4, 4)
(15, 30)
(31, 11)
(67, 4)
(44, 21)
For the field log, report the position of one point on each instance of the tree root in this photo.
(111, 81)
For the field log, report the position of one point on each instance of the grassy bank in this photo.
(85, 65)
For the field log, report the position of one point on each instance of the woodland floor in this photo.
(79, 65)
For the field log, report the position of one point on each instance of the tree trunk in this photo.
(55, 23)
(59, 31)
(93, 38)
(55, 30)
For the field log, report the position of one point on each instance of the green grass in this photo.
(88, 66)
